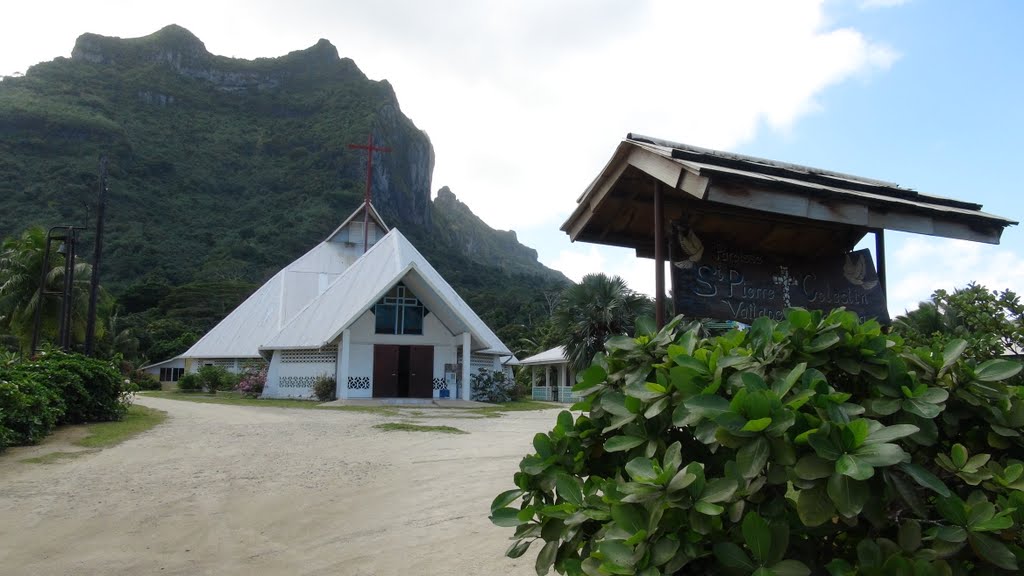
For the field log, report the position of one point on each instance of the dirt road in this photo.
(224, 490)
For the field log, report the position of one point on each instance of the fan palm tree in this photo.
(590, 312)
(21, 267)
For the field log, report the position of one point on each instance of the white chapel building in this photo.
(383, 323)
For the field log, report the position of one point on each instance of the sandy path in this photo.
(237, 490)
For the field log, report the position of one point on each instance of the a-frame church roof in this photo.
(262, 315)
(391, 260)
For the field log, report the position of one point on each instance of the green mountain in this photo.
(222, 170)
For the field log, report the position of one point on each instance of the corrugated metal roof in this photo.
(391, 260)
(555, 355)
(757, 204)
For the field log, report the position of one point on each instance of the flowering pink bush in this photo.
(253, 380)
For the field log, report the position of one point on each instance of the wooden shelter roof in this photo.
(758, 204)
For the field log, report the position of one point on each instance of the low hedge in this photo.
(58, 388)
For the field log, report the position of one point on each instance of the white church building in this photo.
(382, 322)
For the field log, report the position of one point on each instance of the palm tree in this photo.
(21, 267)
(598, 307)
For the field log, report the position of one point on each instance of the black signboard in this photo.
(716, 281)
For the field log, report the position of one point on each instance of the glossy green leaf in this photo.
(814, 506)
(751, 459)
(641, 469)
(890, 433)
(921, 408)
(996, 370)
(992, 551)
(732, 556)
(757, 535)
(798, 317)
(622, 443)
(681, 480)
(790, 568)
(855, 433)
(569, 490)
(630, 517)
(518, 548)
(506, 498)
(719, 490)
(925, 478)
(664, 550)
(707, 405)
(813, 467)
(952, 352)
(506, 517)
(824, 447)
(854, 467)
(617, 552)
(707, 508)
(756, 425)
(848, 495)
(881, 454)
(909, 535)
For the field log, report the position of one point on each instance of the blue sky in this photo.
(525, 100)
(946, 118)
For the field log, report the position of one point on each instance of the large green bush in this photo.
(29, 409)
(817, 444)
(58, 388)
(214, 378)
(93, 390)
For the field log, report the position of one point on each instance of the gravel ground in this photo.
(223, 489)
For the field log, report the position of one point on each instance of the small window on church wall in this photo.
(399, 312)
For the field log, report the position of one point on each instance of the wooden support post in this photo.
(880, 259)
(659, 258)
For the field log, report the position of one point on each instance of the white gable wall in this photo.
(364, 337)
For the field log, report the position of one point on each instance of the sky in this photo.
(525, 100)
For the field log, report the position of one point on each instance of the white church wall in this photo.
(293, 372)
(444, 355)
(360, 379)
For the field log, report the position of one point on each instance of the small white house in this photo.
(557, 378)
(383, 323)
(168, 371)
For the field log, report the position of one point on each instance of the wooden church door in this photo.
(385, 371)
(421, 371)
(403, 371)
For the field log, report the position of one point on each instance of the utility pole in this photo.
(370, 149)
(94, 285)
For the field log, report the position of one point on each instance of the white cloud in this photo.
(524, 100)
(920, 265)
(871, 4)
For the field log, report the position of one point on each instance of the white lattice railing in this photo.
(322, 356)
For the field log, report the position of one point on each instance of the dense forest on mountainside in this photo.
(223, 170)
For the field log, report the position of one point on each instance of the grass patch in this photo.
(54, 457)
(236, 399)
(138, 420)
(517, 406)
(409, 427)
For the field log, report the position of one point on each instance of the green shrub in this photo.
(190, 382)
(487, 386)
(325, 388)
(214, 378)
(144, 380)
(92, 390)
(817, 443)
(29, 409)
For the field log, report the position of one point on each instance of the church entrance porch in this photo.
(403, 371)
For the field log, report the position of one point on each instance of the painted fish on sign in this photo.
(726, 283)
